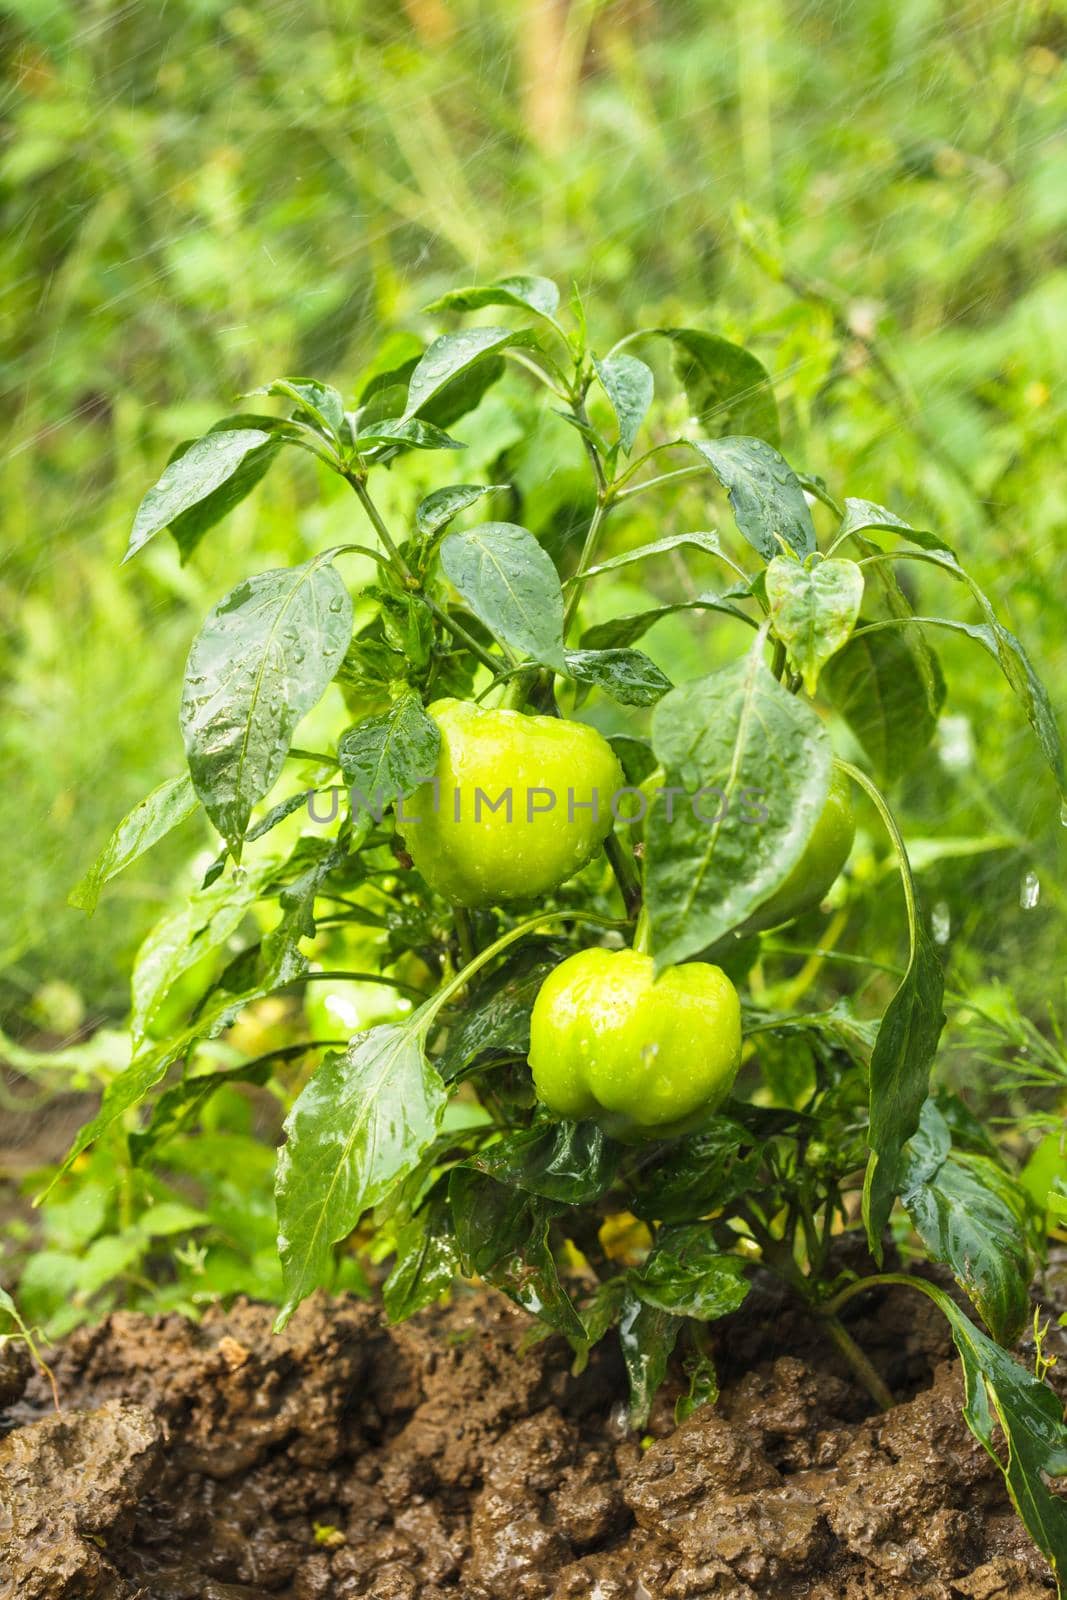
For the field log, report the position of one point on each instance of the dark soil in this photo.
(344, 1458)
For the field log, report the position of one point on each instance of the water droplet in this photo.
(649, 1052)
(618, 1423)
(941, 923)
(1063, 813)
(1030, 891)
(337, 604)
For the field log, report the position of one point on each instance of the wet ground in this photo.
(441, 1460)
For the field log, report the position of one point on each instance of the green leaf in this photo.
(532, 294)
(384, 758)
(864, 516)
(887, 684)
(177, 1107)
(688, 1275)
(741, 736)
(426, 1263)
(1030, 1414)
(728, 389)
(511, 585)
(438, 509)
(322, 405)
(263, 658)
(570, 1162)
(706, 1171)
(452, 354)
(998, 640)
(503, 1237)
(703, 1388)
(620, 632)
(410, 431)
(149, 821)
(971, 1215)
(359, 1125)
(628, 676)
(630, 386)
(201, 926)
(194, 475)
(764, 492)
(189, 528)
(635, 757)
(903, 1052)
(148, 1067)
(497, 1022)
(813, 610)
(647, 1335)
(706, 541)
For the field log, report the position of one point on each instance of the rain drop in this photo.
(1030, 891)
(941, 923)
(1063, 813)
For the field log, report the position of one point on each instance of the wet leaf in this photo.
(411, 431)
(384, 758)
(688, 1275)
(703, 1388)
(705, 1171)
(1030, 1415)
(503, 1237)
(762, 759)
(322, 405)
(900, 1067)
(426, 1263)
(200, 927)
(887, 684)
(728, 389)
(149, 821)
(971, 1215)
(647, 1335)
(865, 516)
(764, 492)
(192, 476)
(570, 1162)
(438, 509)
(148, 1067)
(813, 610)
(706, 541)
(452, 354)
(177, 1107)
(630, 386)
(263, 658)
(628, 676)
(498, 1022)
(533, 294)
(511, 585)
(359, 1125)
(620, 632)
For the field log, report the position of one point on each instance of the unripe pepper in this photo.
(645, 1057)
(824, 855)
(478, 847)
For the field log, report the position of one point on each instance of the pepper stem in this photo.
(643, 933)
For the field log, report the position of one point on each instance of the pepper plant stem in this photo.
(456, 629)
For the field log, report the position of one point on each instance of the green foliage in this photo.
(425, 1120)
(886, 306)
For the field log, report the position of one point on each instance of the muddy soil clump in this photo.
(443, 1459)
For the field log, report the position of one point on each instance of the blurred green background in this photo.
(202, 195)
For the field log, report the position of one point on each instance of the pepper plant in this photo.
(463, 819)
